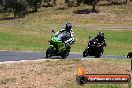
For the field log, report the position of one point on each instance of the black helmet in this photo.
(101, 34)
(68, 26)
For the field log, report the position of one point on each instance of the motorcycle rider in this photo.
(68, 33)
(101, 39)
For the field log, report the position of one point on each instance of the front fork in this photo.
(51, 46)
(56, 50)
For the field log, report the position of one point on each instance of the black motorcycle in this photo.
(94, 48)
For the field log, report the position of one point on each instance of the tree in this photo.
(34, 4)
(78, 2)
(18, 7)
(1, 5)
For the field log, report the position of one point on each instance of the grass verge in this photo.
(24, 37)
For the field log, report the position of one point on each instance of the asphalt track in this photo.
(25, 55)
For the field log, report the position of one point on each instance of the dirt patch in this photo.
(54, 74)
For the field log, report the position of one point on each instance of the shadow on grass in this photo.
(13, 18)
(33, 11)
(85, 11)
(8, 18)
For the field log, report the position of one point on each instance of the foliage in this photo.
(34, 4)
(18, 7)
(21, 7)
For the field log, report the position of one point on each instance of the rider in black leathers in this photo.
(101, 39)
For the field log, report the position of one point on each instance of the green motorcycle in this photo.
(57, 46)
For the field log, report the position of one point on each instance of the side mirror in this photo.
(53, 31)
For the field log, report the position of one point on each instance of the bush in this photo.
(34, 4)
(20, 8)
(79, 2)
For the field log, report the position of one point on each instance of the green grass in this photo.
(21, 40)
(23, 37)
(119, 42)
(33, 31)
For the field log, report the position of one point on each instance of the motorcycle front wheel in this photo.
(65, 54)
(85, 53)
(97, 56)
(99, 53)
(49, 52)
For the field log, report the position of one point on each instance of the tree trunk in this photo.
(67, 1)
(54, 2)
(93, 10)
(126, 1)
(35, 7)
